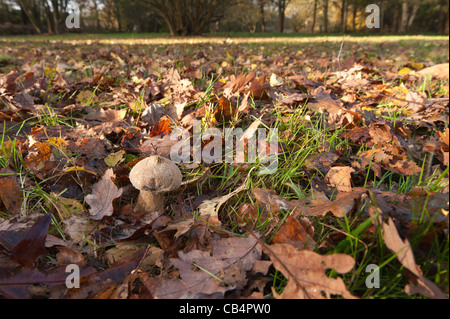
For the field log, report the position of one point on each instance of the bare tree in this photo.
(31, 9)
(344, 7)
(409, 11)
(184, 17)
(443, 17)
(56, 14)
(281, 7)
(325, 16)
(313, 25)
(262, 13)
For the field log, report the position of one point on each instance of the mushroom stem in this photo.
(150, 202)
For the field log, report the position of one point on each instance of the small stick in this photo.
(340, 51)
(431, 101)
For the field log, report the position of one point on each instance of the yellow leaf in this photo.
(404, 71)
(58, 143)
(229, 57)
(114, 158)
(118, 58)
(48, 71)
(417, 66)
(66, 206)
(77, 169)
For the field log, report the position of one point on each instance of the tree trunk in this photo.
(412, 16)
(48, 18)
(381, 5)
(281, 9)
(355, 11)
(26, 8)
(404, 17)
(314, 16)
(262, 15)
(446, 28)
(344, 16)
(325, 16)
(97, 17)
(55, 16)
(395, 27)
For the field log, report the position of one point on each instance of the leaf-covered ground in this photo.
(362, 177)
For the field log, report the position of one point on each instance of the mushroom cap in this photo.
(156, 174)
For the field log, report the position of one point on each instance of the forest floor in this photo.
(355, 207)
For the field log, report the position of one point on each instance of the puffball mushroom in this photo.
(154, 176)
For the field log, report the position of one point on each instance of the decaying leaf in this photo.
(10, 192)
(305, 271)
(342, 205)
(340, 177)
(205, 273)
(388, 157)
(103, 194)
(32, 244)
(39, 158)
(297, 233)
(102, 115)
(209, 209)
(405, 256)
(158, 145)
(66, 206)
(440, 71)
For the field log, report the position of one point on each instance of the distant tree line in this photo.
(192, 17)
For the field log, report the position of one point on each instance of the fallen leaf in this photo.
(10, 192)
(292, 232)
(228, 261)
(19, 284)
(66, 207)
(152, 113)
(67, 256)
(103, 194)
(39, 159)
(258, 88)
(295, 99)
(209, 209)
(341, 206)
(340, 177)
(236, 84)
(102, 115)
(32, 244)
(440, 71)
(387, 157)
(158, 145)
(305, 272)
(247, 214)
(275, 80)
(161, 128)
(244, 105)
(77, 229)
(405, 256)
(322, 161)
(115, 158)
(224, 111)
